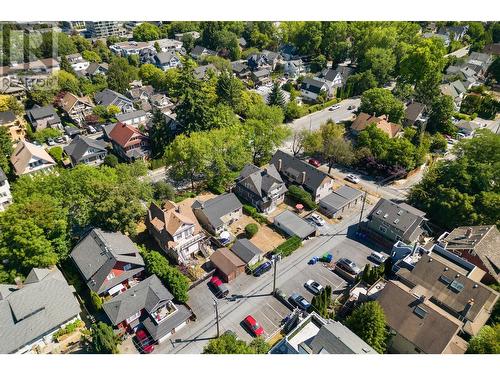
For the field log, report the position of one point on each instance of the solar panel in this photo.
(420, 312)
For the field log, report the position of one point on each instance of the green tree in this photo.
(487, 341)
(381, 101)
(145, 32)
(91, 56)
(227, 344)
(368, 322)
(321, 303)
(163, 191)
(276, 96)
(442, 110)
(96, 300)
(120, 74)
(361, 82)
(160, 134)
(56, 44)
(318, 63)
(104, 340)
(251, 230)
(259, 346)
(438, 143)
(308, 38)
(111, 160)
(381, 61)
(151, 75)
(5, 149)
(57, 154)
(229, 90)
(68, 82)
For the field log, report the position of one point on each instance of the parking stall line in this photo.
(267, 318)
(274, 309)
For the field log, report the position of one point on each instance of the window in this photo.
(126, 267)
(382, 229)
(456, 286)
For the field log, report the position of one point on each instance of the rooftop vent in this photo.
(396, 221)
(446, 268)
(400, 212)
(379, 212)
(385, 216)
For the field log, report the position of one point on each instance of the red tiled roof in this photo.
(122, 133)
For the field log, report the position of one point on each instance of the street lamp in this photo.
(216, 305)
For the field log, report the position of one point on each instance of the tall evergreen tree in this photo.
(368, 322)
(276, 96)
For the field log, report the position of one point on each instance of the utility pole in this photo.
(217, 316)
(274, 275)
(362, 209)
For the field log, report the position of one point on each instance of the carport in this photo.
(293, 225)
(339, 200)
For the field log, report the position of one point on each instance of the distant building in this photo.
(129, 142)
(108, 97)
(102, 29)
(43, 117)
(5, 194)
(13, 124)
(363, 120)
(85, 150)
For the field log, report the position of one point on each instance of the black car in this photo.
(263, 268)
(299, 301)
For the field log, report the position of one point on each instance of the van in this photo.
(378, 257)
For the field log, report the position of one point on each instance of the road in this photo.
(464, 51)
(255, 292)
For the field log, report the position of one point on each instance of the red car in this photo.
(144, 342)
(253, 326)
(314, 163)
(219, 287)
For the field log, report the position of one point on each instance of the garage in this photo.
(293, 225)
(341, 199)
(228, 265)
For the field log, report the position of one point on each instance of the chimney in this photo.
(468, 232)
(302, 178)
(280, 164)
(19, 282)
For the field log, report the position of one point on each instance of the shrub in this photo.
(254, 214)
(56, 153)
(300, 195)
(96, 301)
(70, 328)
(156, 163)
(289, 246)
(251, 230)
(111, 160)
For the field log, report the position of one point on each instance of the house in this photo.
(456, 90)
(247, 251)
(242, 42)
(227, 264)
(43, 117)
(176, 230)
(77, 62)
(265, 91)
(109, 262)
(315, 335)
(468, 128)
(336, 78)
(201, 72)
(293, 225)
(85, 150)
(363, 120)
(296, 171)
(134, 118)
(129, 48)
(97, 68)
(109, 97)
(5, 194)
(168, 44)
(77, 108)
(32, 311)
(492, 49)
(414, 114)
(261, 76)
(28, 158)
(479, 62)
(289, 52)
(240, 69)
(454, 32)
(264, 60)
(262, 188)
(477, 244)
(9, 120)
(443, 37)
(216, 214)
(447, 285)
(417, 325)
(193, 34)
(162, 103)
(341, 199)
(389, 222)
(129, 142)
(141, 93)
(293, 68)
(199, 51)
(311, 88)
(167, 60)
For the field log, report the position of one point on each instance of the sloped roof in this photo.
(122, 117)
(226, 261)
(165, 57)
(312, 84)
(245, 250)
(363, 120)
(80, 145)
(7, 117)
(107, 97)
(38, 112)
(69, 100)
(295, 224)
(122, 133)
(413, 111)
(219, 206)
(24, 152)
(173, 216)
(335, 338)
(259, 181)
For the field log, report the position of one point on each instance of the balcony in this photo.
(164, 312)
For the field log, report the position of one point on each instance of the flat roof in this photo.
(294, 223)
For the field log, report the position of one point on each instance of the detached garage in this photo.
(293, 225)
(228, 265)
(247, 251)
(334, 204)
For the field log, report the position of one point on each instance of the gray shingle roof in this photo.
(335, 338)
(165, 57)
(147, 295)
(44, 303)
(122, 117)
(107, 97)
(259, 181)
(157, 331)
(37, 112)
(219, 206)
(80, 145)
(7, 117)
(3, 177)
(312, 84)
(245, 250)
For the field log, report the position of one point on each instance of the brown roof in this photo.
(363, 120)
(429, 328)
(226, 261)
(123, 133)
(24, 152)
(69, 100)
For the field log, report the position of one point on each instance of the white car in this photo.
(334, 107)
(318, 220)
(313, 286)
(352, 178)
(51, 142)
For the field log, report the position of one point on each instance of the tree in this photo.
(163, 191)
(322, 302)
(381, 101)
(56, 44)
(361, 82)
(228, 343)
(259, 346)
(57, 154)
(487, 341)
(229, 90)
(151, 75)
(299, 136)
(10, 103)
(111, 160)
(292, 111)
(188, 42)
(160, 134)
(276, 96)
(381, 62)
(442, 110)
(104, 340)
(318, 63)
(251, 230)
(438, 143)
(5, 149)
(96, 300)
(68, 82)
(91, 56)
(120, 74)
(308, 38)
(368, 322)
(145, 32)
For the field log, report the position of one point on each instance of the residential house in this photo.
(454, 32)
(130, 48)
(456, 90)
(336, 78)
(227, 264)
(264, 60)
(296, 171)
(312, 88)
(43, 117)
(415, 114)
(477, 244)
(199, 51)
(29, 159)
(5, 194)
(168, 44)
(14, 126)
(77, 108)
(149, 303)
(340, 200)
(468, 128)
(134, 118)
(363, 120)
(77, 62)
(167, 60)
(33, 310)
(201, 72)
(109, 97)
(97, 68)
(129, 142)
(446, 284)
(416, 324)
(262, 188)
(176, 230)
(193, 34)
(315, 335)
(261, 76)
(240, 69)
(265, 91)
(141, 93)
(389, 222)
(85, 150)
(443, 37)
(216, 214)
(109, 262)
(162, 103)
(293, 68)
(293, 225)
(289, 52)
(247, 251)
(479, 62)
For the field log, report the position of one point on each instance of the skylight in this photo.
(420, 312)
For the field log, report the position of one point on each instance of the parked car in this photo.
(318, 220)
(352, 178)
(144, 342)
(51, 142)
(263, 268)
(315, 163)
(221, 290)
(297, 300)
(334, 107)
(313, 286)
(36, 143)
(351, 107)
(92, 129)
(348, 266)
(253, 325)
(378, 257)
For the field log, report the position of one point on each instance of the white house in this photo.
(77, 62)
(5, 195)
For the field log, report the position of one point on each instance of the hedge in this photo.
(251, 230)
(70, 328)
(289, 246)
(302, 196)
(254, 214)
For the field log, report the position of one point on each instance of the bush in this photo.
(70, 328)
(56, 153)
(42, 135)
(289, 246)
(251, 230)
(156, 163)
(254, 214)
(96, 300)
(104, 340)
(300, 195)
(111, 161)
